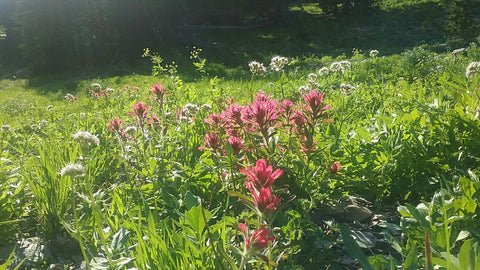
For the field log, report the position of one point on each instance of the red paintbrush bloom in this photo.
(212, 141)
(263, 200)
(114, 125)
(315, 106)
(336, 167)
(262, 113)
(236, 143)
(141, 109)
(158, 90)
(259, 239)
(262, 175)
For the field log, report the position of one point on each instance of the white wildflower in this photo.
(206, 107)
(346, 89)
(49, 107)
(257, 68)
(185, 119)
(373, 53)
(472, 69)
(86, 138)
(312, 85)
(191, 109)
(70, 97)
(73, 170)
(82, 115)
(278, 62)
(43, 123)
(345, 65)
(312, 77)
(130, 130)
(5, 128)
(96, 85)
(323, 71)
(336, 67)
(303, 89)
(458, 51)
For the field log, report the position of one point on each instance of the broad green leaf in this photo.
(352, 247)
(195, 218)
(191, 200)
(411, 261)
(464, 254)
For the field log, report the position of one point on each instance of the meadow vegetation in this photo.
(191, 163)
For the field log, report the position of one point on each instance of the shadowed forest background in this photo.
(49, 35)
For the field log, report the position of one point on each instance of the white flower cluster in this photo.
(278, 62)
(257, 68)
(472, 69)
(206, 107)
(190, 109)
(458, 51)
(96, 85)
(312, 77)
(70, 97)
(373, 53)
(5, 128)
(341, 66)
(303, 89)
(73, 170)
(130, 130)
(85, 138)
(346, 89)
(323, 71)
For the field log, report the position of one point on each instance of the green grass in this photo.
(160, 193)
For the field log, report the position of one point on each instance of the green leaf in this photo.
(119, 239)
(462, 235)
(464, 254)
(363, 134)
(352, 247)
(411, 261)
(191, 200)
(195, 219)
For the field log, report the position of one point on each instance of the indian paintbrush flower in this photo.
(258, 240)
(335, 168)
(262, 175)
(115, 125)
(263, 199)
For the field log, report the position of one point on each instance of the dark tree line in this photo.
(58, 34)
(46, 34)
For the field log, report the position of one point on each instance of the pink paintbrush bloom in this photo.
(258, 240)
(315, 106)
(262, 113)
(336, 167)
(263, 200)
(158, 90)
(141, 109)
(212, 141)
(262, 175)
(236, 143)
(115, 125)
